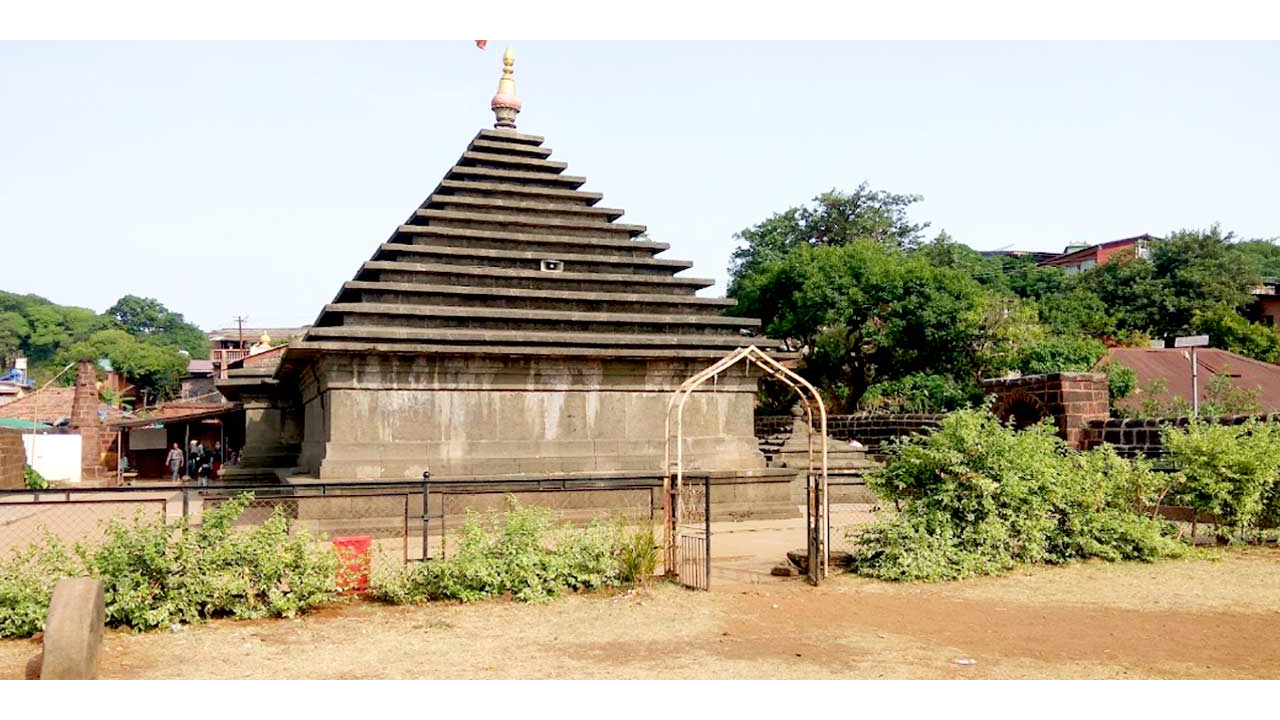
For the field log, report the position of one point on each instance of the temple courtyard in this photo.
(1212, 617)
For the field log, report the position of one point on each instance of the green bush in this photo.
(525, 554)
(32, 479)
(976, 497)
(26, 584)
(918, 393)
(637, 552)
(1230, 471)
(157, 573)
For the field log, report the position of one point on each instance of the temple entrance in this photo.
(687, 497)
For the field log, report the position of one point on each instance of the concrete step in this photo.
(486, 159)
(462, 172)
(520, 204)
(513, 240)
(532, 259)
(461, 311)
(520, 298)
(488, 187)
(510, 136)
(309, 348)
(507, 219)
(529, 337)
(496, 146)
(491, 275)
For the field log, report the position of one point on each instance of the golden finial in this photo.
(505, 104)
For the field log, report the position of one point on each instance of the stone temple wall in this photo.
(391, 417)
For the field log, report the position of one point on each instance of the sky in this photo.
(241, 178)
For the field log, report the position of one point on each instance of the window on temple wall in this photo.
(1269, 320)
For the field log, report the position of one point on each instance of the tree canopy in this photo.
(141, 338)
(883, 318)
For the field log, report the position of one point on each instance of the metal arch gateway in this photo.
(676, 504)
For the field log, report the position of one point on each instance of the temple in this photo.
(511, 326)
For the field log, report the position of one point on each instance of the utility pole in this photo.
(240, 324)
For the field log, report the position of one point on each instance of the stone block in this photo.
(73, 630)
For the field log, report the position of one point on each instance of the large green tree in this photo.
(833, 219)
(1190, 272)
(156, 370)
(148, 319)
(863, 312)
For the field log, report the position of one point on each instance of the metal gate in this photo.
(693, 533)
(674, 484)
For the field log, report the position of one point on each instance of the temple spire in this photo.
(505, 104)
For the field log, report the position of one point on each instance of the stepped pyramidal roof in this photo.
(509, 256)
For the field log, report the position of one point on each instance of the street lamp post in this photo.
(1193, 342)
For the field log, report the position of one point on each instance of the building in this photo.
(1079, 259)
(1265, 308)
(227, 345)
(15, 383)
(510, 327)
(145, 438)
(1169, 371)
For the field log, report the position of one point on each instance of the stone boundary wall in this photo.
(1141, 436)
(873, 430)
(13, 458)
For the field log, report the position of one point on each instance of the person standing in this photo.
(174, 459)
(217, 459)
(191, 459)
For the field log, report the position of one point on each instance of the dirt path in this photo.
(1178, 619)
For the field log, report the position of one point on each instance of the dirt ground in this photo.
(1199, 618)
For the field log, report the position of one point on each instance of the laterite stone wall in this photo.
(13, 457)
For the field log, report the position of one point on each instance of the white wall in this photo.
(56, 457)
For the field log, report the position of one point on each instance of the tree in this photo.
(1228, 330)
(148, 319)
(14, 332)
(835, 218)
(1263, 254)
(156, 370)
(863, 312)
(1191, 271)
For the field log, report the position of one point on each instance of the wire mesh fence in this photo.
(83, 520)
(850, 505)
(629, 503)
(327, 513)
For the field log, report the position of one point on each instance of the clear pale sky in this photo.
(253, 178)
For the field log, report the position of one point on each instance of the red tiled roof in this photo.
(174, 414)
(47, 406)
(1173, 366)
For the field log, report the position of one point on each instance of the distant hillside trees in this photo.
(142, 338)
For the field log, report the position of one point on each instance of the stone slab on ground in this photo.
(73, 630)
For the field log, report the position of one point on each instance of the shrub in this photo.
(637, 552)
(32, 479)
(977, 497)
(157, 573)
(525, 554)
(917, 393)
(1228, 470)
(26, 585)
(1122, 380)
